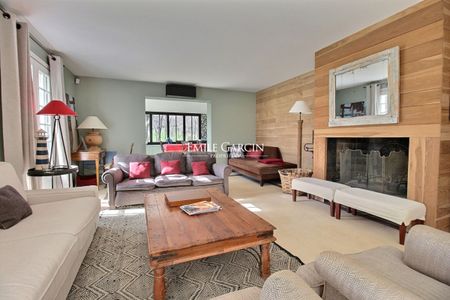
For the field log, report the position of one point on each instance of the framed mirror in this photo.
(366, 91)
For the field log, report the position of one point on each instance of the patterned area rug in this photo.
(116, 265)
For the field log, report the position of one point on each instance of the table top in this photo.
(53, 172)
(170, 229)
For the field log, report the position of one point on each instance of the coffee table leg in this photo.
(265, 260)
(159, 288)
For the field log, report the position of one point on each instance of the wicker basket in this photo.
(286, 176)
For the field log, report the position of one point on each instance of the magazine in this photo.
(201, 207)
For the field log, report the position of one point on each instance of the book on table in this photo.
(178, 198)
(201, 207)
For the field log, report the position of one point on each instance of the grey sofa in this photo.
(124, 191)
(421, 271)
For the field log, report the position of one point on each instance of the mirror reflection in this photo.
(363, 91)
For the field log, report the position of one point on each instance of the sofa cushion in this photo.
(145, 184)
(140, 170)
(29, 266)
(254, 154)
(166, 156)
(200, 168)
(13, 207)
(122, 161)
(10, 178)
(170, 167)
(66, 216)
(209, 157)
(200, 180)
(172, 180)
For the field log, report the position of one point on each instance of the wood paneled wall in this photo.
(275, 126)
(423, 34)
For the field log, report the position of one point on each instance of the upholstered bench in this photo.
(317, 187)
(401, 211)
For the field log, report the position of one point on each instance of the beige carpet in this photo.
(305, 227)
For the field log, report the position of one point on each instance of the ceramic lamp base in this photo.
(93, 140)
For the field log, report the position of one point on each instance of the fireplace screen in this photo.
(378, 164)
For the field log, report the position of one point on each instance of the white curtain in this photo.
(10, 94)
(27, 101)
(58, 93)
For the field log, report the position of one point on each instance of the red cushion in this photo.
(200, 168)
(271, 161)
(139, 170)
(170, 167)
(254, 154)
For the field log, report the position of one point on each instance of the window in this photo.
(41, 85)
(381, 98)
(179, 127)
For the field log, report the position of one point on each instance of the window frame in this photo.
(168, 114)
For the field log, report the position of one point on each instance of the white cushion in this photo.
(392, 208)
(29, 266)
(68, 216)
(317, 187)
(9, 177)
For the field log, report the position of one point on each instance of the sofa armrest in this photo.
(284, 285)
(354, 281)
(223, 171)
(44, 196)
(111, 178)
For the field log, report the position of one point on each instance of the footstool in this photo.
(318, 187)
(401, 211)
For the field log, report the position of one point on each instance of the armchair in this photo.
(420, 272)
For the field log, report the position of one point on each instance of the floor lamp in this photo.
(57, 109)
(300, 107)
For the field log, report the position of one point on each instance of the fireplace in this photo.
(377, 164)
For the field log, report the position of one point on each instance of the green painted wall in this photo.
(69, 82)
(120, 104)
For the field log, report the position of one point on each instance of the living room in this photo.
(317, 147)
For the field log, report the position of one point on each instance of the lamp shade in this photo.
(300, 106)
(92, 122)
(56, 108)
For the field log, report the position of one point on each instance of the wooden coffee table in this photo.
(174, 237)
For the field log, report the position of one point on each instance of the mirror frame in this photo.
(393, 57)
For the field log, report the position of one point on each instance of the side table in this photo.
(57, 171)
(87, 156)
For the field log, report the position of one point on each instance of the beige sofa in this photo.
(41, 255)
(422, 271)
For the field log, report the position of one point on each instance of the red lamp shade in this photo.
(56, 108)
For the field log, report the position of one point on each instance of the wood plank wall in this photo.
(443, 214)
(424, 94)
(275, 126)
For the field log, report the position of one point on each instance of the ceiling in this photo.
(243, 45)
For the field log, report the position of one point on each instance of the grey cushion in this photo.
(166, 156)
(205, 180)
(251, 293)
(286, 285)
(172, 180)
(309, 274)
(122, 161)
(209, 157)
(427, 250)
(136, 185)
(13, 207)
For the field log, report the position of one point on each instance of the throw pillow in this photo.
(200, 168)
(254, 154)
(271, 161)
(13, 207)
(140, 170)
(170, 167)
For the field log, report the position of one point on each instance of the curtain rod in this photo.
(5, 13)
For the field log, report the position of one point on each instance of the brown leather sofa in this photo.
(253, 168)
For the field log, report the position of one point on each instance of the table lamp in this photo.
(93, 139)
(300, 107)
(57, 109)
